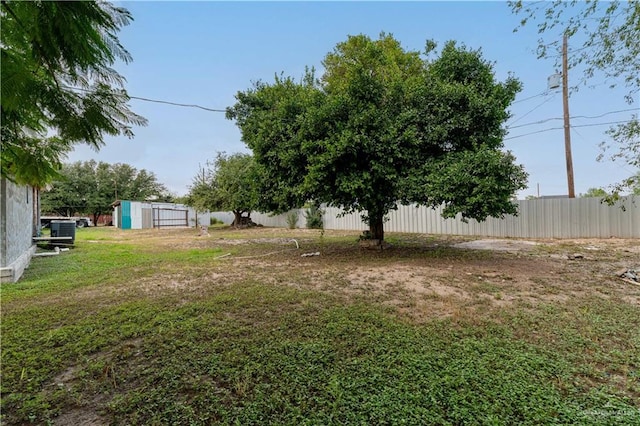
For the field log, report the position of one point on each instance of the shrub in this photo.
(292, 219)
(314, 217)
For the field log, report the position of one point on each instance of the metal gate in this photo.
(163, 218)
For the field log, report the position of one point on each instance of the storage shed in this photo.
(144, 215)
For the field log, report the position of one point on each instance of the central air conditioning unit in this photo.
(63, 228)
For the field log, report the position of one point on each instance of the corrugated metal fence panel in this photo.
(540, 218)
(277, 221)
(147, 217)
(225, 217)
(199, 219)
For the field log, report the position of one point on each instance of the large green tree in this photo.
(58, 84)
(609, 50)
(90, 187)
(229, 183)
(383, 126)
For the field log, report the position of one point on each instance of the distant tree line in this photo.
(90, 188)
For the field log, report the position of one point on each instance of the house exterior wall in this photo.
(16, 229)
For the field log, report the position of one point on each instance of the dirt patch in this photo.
(423, 276)
(499, 245)
(424, 279)
(282, 241)
(80, 417)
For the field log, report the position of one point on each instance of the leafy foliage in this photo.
(230, 183)
(610, 49)
(91, 187)
(57, 78)
(383, 126)
(594, 192)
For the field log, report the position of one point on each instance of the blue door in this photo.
(126, 214)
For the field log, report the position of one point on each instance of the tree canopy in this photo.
(90, 187)
(594, 192)
(58, 84)
(229, 183)
(382, 126)
(610, 49)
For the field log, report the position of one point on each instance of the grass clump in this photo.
(292, 219)
(313, 216)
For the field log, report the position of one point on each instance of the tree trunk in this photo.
(376, 227)
(237, 220)
(96, 216)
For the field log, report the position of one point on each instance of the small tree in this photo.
(292, 219)
(230, 183)
(313, 215)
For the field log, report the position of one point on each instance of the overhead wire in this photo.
(572, 117)
(535, 108)
(158, 101)
(560, 128)
(546, 92)
(177, 104)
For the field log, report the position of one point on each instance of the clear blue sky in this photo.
(205, 52)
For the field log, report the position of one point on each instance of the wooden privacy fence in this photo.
(539, 218)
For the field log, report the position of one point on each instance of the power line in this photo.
(158, 101)
(606, 113)
(572, 117)
(546, 92)
(177, 104)
(535, 108)
(601, 124)
(560, 128)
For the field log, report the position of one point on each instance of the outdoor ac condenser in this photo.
(63, 228)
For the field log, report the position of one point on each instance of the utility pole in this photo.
(567, 127)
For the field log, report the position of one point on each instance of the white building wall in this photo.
(17, 205)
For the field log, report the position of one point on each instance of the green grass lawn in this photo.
(169, 328)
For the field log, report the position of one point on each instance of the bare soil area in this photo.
(423, 276)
